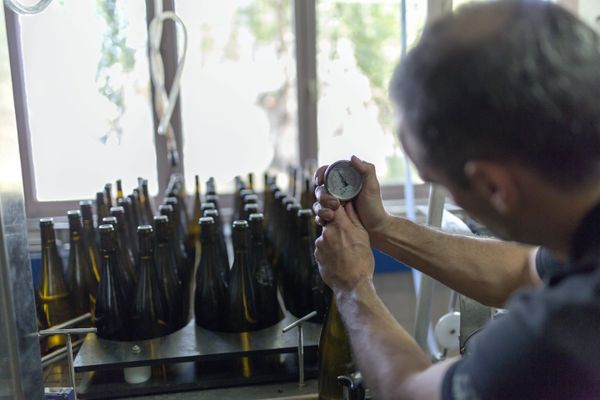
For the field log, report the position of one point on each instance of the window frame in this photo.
(306, 69)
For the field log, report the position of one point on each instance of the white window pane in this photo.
(358, 45)
(238, 89)
(80, 137)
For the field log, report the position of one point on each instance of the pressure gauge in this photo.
(342, 180)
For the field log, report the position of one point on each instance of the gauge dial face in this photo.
(342, 180)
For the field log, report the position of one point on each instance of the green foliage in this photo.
(374, 30)
(267, 19)
(114, 51)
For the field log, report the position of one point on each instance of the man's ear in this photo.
(494, 182)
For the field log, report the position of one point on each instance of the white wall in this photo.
(589, 10)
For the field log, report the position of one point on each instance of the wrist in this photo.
(347, 292)
(377, 232)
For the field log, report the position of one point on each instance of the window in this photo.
(86, 77)
(359, 44)
(89, 120)
(238, 89)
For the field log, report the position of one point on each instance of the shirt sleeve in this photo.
(546, 347)
(546, 263)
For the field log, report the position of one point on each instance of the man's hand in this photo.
(368, 203)
(343, 251)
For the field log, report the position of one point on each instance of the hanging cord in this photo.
(19, 8)
(164, 103)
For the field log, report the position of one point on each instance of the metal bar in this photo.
(306, 67)
(425, 292)
(71, 369)
(66, 331)
(59, 354)
(20, 366)
(299, 321)
(301, 355)
(73, 321)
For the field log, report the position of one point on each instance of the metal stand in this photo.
(68, 332)
(298, 324)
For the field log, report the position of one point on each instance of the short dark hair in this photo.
(507, 81)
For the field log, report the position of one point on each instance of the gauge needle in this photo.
(344, 181)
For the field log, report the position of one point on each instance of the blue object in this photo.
(58, 393)
(385, 263)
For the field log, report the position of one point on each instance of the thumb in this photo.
(351, 213)
(367, 170)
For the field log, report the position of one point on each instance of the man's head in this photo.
(509, 83)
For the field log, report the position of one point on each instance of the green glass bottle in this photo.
(180, 233)
(207, 206)
(124, 261)
(289, 257)
(309, 291)
(108, 195)
(221, 246)
(135, 211)
(212, 198)
(101, 208)
(131, 225)
(250, 208)
(122, 229)
(52, 286)
(120, 194)
(280, 234)
(243, 316)
(251, 181)
(211, 297)
(265, 285)
(335, 356)
(194, 245)
(307, 198)
(175, 246)
(149, 312)
(112, 300)
(169, 282)
(89, 237)
(80, 275)
(147, 202)
(139, 206)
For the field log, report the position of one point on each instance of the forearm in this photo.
(388, 357)
(486, 270)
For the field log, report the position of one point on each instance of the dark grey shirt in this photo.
(548, 345)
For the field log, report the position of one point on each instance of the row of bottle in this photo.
(270, 251)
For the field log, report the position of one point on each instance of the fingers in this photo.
(363, 167)
(352, 215)
(320, 175)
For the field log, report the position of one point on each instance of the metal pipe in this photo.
(435, 212)
(71, 365)
(298, 323)
(73, 321)
(59, 354)
(66, 331)
(301, 355)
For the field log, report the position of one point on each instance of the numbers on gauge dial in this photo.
(343, 181)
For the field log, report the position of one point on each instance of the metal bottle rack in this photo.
(196, 358)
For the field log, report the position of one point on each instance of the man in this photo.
(499, 104)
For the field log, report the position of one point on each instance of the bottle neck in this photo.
(48, 236)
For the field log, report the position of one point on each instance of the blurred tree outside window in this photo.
(87, 81)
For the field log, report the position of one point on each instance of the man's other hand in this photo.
(343, 250)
